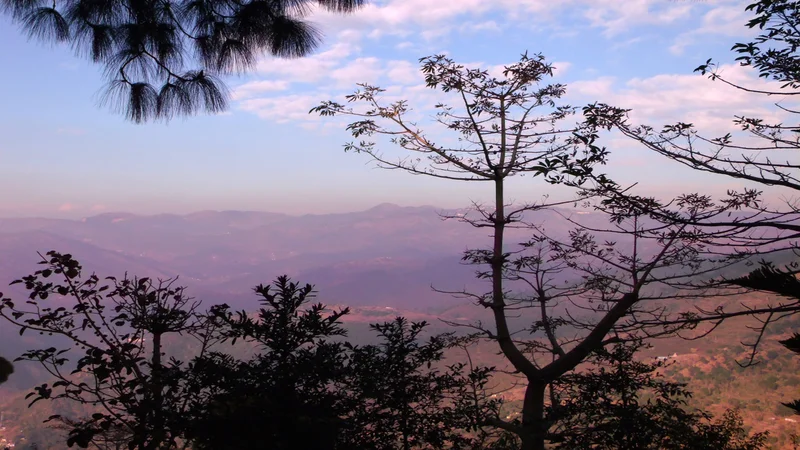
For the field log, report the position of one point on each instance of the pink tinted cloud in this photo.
(66, 207)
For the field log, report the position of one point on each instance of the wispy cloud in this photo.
(724, 20)
(615, 17)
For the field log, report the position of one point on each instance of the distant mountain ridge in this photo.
(228, 252)
(387, 255)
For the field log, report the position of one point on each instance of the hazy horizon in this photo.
(76, 215)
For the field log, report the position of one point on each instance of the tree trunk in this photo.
(159, 434)
(533, 437)
(503, 334)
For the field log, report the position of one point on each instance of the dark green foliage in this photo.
(624, 404)
(792, 343)
(113, 363)
(403, 399)
(306, 390)
(162, 57)
(289, 394)
(305, 386)
(769, 278)
(6, 369)
(774, 52)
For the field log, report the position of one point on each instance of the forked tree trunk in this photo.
(533, 436)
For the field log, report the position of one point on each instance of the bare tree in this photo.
(588, 289)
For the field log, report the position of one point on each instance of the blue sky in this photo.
(62, 155)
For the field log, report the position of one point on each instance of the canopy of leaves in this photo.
(507, 125)
(289, 393)
(306, 389)
(162, 57)
(769, 278)
(305, 386)
(407, 397)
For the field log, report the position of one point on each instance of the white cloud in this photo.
(285, 108)
(257, 87)
(360, 70)
(294, 108)
(435, 33)
(311, 68)
(343, 65)
(495, 70)
(627, 43)
(400, 79)
(479, 27)
(403, 72)
(406, 18)
(560, 68)
(656, 100)
(351, 36)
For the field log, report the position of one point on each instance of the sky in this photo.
(63, 155)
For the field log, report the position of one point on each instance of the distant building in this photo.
(665, 358)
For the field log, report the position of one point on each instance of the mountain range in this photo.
(385, 256)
